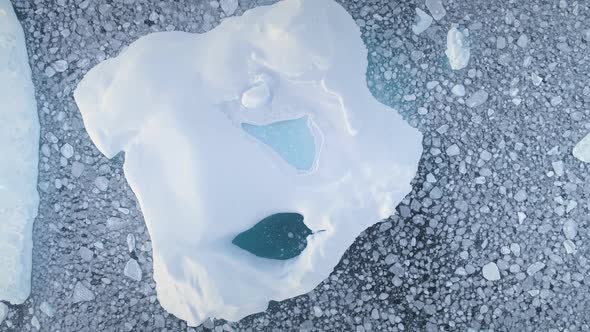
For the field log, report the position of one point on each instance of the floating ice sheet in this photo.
(174, 103)
(19, 149)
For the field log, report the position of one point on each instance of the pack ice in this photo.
(19, 148)
(267, 115)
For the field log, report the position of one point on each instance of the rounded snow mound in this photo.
(177, 104)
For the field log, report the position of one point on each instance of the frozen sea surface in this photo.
(216, 128)
(19, 148)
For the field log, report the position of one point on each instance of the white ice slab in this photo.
(19, 149)
(174, 103)
(458, 51)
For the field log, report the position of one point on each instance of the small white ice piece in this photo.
(490, 271)
(229, 6)
(19, 150)
(582, 149)
(132, 270)
(458, 90)
(477, 98)
(436, 8)
(422, 21)
(458, 51)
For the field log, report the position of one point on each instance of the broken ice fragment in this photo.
(458, 90)
(422, 21)
(558, 167)
(132, 270)
(570, 246)
(436, 9)
(458, 51)
(477, 98)
(82, 294)
(490, 271)
(535, 267)
(279, 236)
(570, 229)
(229, 6)
(582, 149)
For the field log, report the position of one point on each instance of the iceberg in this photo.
(265, 119)
(19, 148)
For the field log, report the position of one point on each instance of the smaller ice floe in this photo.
(458, 47)
(436, 8)
(422, 21)
(582, 149)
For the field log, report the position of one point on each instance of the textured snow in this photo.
(19, 148)
(175, 103)
(458, 51)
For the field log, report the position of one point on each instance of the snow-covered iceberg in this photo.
(19, 151)
(218, 130)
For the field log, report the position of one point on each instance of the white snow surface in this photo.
(458, 51)
(172, 102)
(19, 148)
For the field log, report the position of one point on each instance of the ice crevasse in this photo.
(268, 113)
(19, 155)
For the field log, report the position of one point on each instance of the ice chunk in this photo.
(19, 148)
(490, 271)
(82, 293)
(436, 8)
(201, 179)
(423, 21)
(132, 270)
(582, 149)
(458, 90)
(458, 51)
(229, 6)
(3, 307)
(478, 98)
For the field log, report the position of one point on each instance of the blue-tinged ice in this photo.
(291, 139)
